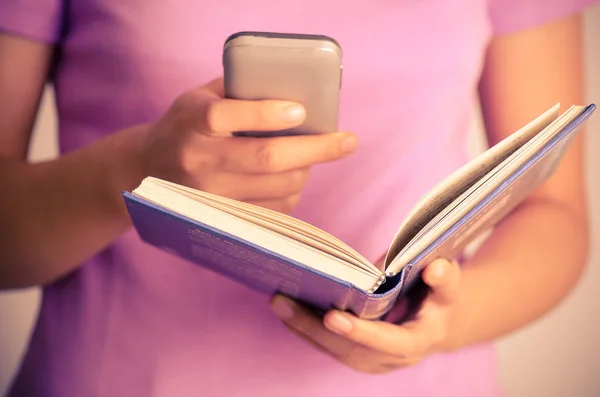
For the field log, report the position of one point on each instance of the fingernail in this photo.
(292, 113)
(349, 143)
(339, 323)
(283, 308)
(438, 270)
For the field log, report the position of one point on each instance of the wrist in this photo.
(125, 168)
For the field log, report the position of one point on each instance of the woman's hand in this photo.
(377, 346)
(192, 145)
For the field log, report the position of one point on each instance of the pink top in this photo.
(134, 321)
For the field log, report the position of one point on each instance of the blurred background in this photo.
(558, 356)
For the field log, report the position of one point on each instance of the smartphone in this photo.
(297, 67)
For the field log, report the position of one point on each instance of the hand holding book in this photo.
(379, 346)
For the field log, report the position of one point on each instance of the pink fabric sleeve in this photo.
(511, 15)
(39, 20)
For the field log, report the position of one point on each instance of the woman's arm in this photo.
(56, 214)
(53, 214)
(535, 257)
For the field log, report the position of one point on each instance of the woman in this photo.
(138, 94)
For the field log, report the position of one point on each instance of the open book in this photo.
(273, 252)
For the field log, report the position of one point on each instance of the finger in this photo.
(443, 277)
(310, 326)
(400, 341)
(257, 187)
(226, 116)
(311, 329)
(272, 155)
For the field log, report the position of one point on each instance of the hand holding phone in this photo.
(191, 145)
(306, 69)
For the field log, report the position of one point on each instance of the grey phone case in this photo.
(296, 67)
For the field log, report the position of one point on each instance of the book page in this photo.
(472, 197)
(257, 235)
(275, 225)
(536, 142)
(281, 223)
(451, 187)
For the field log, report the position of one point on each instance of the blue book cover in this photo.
(445, 235)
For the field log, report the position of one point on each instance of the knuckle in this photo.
(400, 355)
(413, 361)
(207, 183)
(301, 325)
(181, 102)
(191, 161)
(290, 203)
(177, 112)
(266, 157)
(353, 356)
(296, 180)
(180, 109)
(213, 159)
(408, 352)
(186, 161)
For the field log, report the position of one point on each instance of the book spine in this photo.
(371, 306)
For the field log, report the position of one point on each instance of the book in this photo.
(275, 253)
